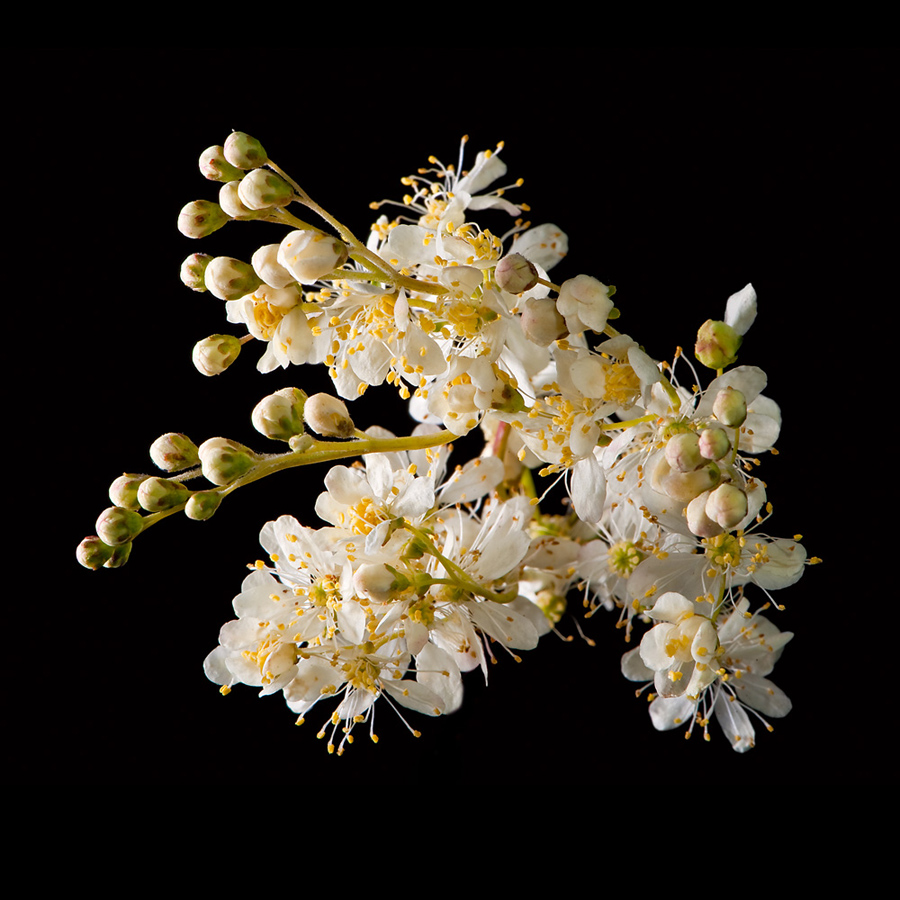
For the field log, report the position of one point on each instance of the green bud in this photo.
(230, 279)
(213, 355)
(244, 151)
(193, 270)
(93, 553)
(119, 556)
(119, 526)
(263, 189)
(717, 344)
(174, 452)
(200, 218)
(202, 505)
(224, 461)
(157, 494)
(280, 415)
(124, 491)
(215, 167)
(730, 407)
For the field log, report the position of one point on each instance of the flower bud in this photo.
(683, 452)
(119, 556)
(280, 415)
(244, 151)
(174, 452)
(193, 269)
(202, 505)
(230, 279)
(215, 167)
(684, 486)
(516, 274)
(714, 443)
(124, 491)
(119, 526)
(92, 553)
(232, 205)
(730, 407)
(541, 321)
(377, 582)
(200, 218)
(310, 255)
(328, 415)
(584, 302)
(717, 344)
(265, 264)
(224, 461)
(698, 521)
(263, 189)
(156, 494)
(213, 355)
(727, 505)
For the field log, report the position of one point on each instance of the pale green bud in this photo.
(684, 486)
(124, 491)
(193, 270)
(263, 189)
(119, 556)
(244, 151)
(727, 505)
(730, 407)
(516, 274)
(224, 461)
(717, 344)
(328, 415)
(93, 553)
(202, 505)
(215, 167)
(119, 526)
(200, 218)
(280, 415)
(714, 443)
(213, 355)
(156, 494)
(683, 452)
(698, 521)
(174, 452)
(230, 279)
(230, 201)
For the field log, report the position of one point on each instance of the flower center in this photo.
(724, 550)
(623, 558)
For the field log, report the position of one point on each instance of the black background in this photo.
(680, 174)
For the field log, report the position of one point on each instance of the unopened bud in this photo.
(174, 452)
(213, 355)
(727, 505)
(93, 553)
(230, 201)
(224, 461)
(202, 505)
(717, 344)
(730, 407)
(280, 415)
(378, 582)
(584, 302)
(541, 321)
(263, 189)
(328, 415)
(124, 491)
(698, 521)
(230, 279)
(215, 167)
(684, 486)
(714, 443)
(119, 526)
(200, 218)
(244, 151)
(265, 264)
(516, 274)
(311, 255)
(157, 494)
(193, 270)
(683, 452)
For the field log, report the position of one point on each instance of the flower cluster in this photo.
(421, 571)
